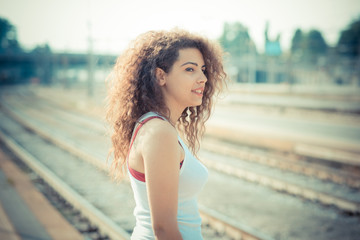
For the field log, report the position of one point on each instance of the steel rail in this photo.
(105, 224)
(320, 172)
(235, 230)
(214, 144)
(247, 175)
(216, 220)
(289, 188)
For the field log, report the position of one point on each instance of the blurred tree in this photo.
(236, 40)
(41, 50)
(8, 37)
(316, 44)
(349, 41)
(308, 46)
(297, 43)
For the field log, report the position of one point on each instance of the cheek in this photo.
(182, 84)
(185, 83)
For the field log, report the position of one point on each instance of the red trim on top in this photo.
(138, 175)
(138, 128)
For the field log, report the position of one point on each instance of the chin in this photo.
(196, 104)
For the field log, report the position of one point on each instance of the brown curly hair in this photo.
(133, 89)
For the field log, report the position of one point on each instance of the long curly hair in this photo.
(133, 89)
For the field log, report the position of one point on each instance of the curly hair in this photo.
(133, 89)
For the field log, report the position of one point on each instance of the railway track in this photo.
(286, 162)
(118, 225)
(42, 124)
(346, 198)
(108, 227)
(324, 170)
(54, 171)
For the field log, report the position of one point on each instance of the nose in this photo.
(202, 78)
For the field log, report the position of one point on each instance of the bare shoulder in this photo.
(158, 142)
(158, 130)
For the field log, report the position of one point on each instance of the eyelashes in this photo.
(190, 69)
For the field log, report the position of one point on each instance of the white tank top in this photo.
(193, 176)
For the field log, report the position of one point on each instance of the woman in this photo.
(161, 85)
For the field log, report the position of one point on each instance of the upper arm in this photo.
(160, 152)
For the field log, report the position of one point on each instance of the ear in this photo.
(160, 76)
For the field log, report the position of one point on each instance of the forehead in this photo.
(190, 55)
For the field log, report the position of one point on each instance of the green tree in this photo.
(308, 46)
(297, 42)
(8, 38)
(316, 44)
(41, 50)
(349, 41)
(236, 40)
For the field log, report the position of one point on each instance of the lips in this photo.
(198, 91)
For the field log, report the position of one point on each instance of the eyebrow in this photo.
(193, 63)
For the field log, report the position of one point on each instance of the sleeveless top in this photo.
(192, 177)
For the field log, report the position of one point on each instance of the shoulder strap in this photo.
(138, 128)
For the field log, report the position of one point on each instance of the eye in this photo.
(189, 69)
(203, 70)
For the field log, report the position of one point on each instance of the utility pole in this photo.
(91, 64)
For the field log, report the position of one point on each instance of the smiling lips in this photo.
(198, 91)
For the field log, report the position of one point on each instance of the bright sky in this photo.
(64, 24)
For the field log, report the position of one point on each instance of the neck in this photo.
(175, 111)
(175, 115)
(174, 107)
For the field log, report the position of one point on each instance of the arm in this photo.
(161, 155)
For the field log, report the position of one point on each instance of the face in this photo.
(184, 85)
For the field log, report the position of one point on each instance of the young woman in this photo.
(162, 87)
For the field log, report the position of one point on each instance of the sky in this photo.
(66, 25)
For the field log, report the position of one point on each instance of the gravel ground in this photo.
(276, 214)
